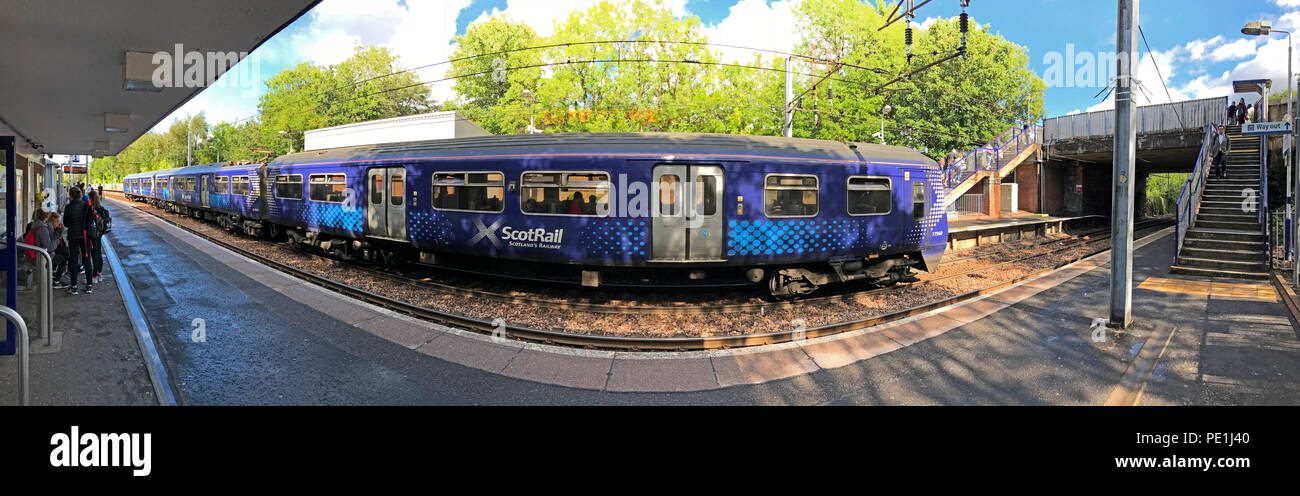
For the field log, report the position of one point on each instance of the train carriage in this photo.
(631, 208)
(600, 209)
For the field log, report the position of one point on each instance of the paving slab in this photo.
(586, 372)
(761, 367)
(835, 353)
(644, 375)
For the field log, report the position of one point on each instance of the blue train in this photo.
(599, 209)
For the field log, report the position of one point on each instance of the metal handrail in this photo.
(47, 318)
(994, 150)
(1262, 204)
(1189, 198)
(24, 390)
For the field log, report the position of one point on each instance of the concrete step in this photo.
(1207, 233)
(1222, 204)
(1221, 244)
(1217, 264)
(1239, 218)
(1226, 274)
(1235, 226)
(1231, 255)
(1223, 211)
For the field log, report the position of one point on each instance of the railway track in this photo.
(636, 343)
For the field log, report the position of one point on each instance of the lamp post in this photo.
(286, 135)
(528, 95)
(1264, 28)
(884, 111)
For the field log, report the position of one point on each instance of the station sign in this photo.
(1265, 128)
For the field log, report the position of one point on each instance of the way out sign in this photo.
(1260, 128)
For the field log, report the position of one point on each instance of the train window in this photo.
(790, 196)
(329, 188)
(398, 188)
(223, 185)
(565, 193)
(469, 191)
(668, 186)
(377, 189)
(918, 200)
(706, 195)
(870, 196)
(288, 186)
(239, 185)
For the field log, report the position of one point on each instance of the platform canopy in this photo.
(1260, 86)
(63, 72)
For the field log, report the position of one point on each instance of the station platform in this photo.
(274, 339)
(93, 356)
(983, 230)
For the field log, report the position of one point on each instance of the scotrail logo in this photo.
(523, 238)
(102, 450)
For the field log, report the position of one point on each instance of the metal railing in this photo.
(47, 296)
(995, 154)
(1189, 197)
(24, 371)
(1167, 117)
(1262, 203)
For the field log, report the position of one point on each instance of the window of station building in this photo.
(918, 200)
(397, 188)
(288, 186)
(239, 185)
(790, 196)
(469, 191)
(329, 188)
(222, 184)
(565, 193)
(870, 196)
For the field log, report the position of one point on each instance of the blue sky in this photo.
(1197, 44)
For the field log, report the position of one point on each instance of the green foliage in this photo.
(1162, 192)
(657, 86)
(667, 80)
(299, 98)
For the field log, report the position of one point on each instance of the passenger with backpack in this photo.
(99, 226)
(78, 216)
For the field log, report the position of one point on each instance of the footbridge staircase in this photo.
(998, 157)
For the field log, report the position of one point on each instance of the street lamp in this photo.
(528, 95)
(286, 135)
(1264, 28)
(884, 111)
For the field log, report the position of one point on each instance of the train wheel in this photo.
(788, 288)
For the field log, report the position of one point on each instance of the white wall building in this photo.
(436, 125)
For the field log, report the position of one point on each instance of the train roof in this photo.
(713, 146)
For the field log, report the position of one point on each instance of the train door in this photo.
(687, 222)
(386, 202)
(205, 187)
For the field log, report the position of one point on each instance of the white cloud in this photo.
(756, 24)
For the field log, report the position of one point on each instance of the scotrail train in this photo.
(599, 209)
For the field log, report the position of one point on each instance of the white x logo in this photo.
(489, 232)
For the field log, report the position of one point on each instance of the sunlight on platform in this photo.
(1248, 291)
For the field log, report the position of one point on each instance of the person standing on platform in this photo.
(77, 217)
(1221, 153)
(1232, 112)
(96, 233)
